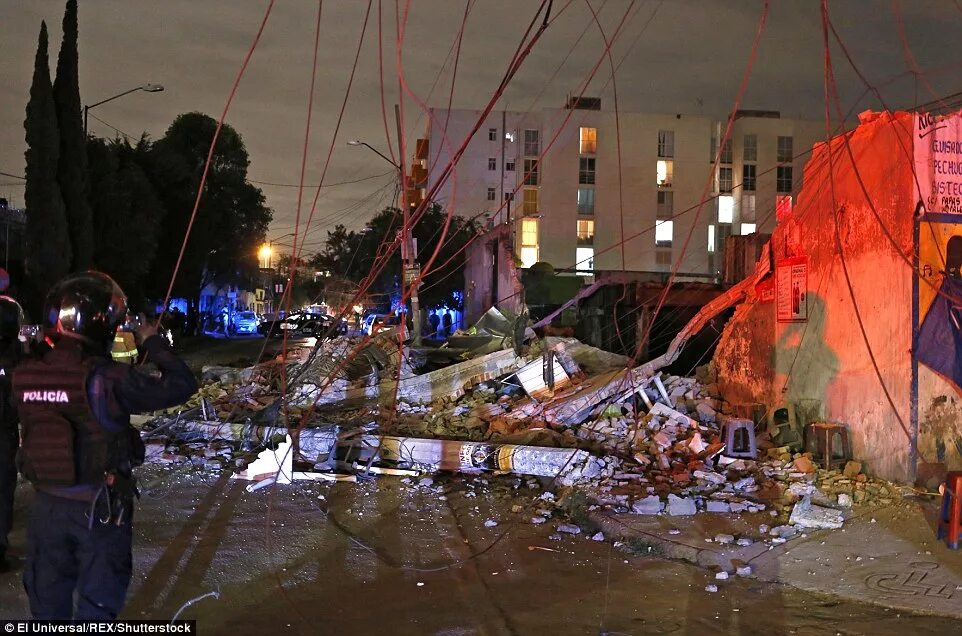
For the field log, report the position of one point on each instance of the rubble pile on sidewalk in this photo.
(555, 408)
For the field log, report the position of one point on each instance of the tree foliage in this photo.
(127, 213)
(48, 251)
(72, 166)
(353, 255)
(232, 218)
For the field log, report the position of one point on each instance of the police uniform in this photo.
(79, 451)
(11, 317)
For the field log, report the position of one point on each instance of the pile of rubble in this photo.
(633, 441)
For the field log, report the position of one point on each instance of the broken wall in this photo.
(491, 277)
(821, 364)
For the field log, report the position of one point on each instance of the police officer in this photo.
(11, 317)
(79, 448)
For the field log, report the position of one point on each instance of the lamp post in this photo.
(409, 267)
(147, 88)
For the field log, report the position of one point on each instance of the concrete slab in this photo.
(888, 557)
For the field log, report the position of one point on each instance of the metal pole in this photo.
(86, 110)
(408, 258)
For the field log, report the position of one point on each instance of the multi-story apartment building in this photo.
(554, 175)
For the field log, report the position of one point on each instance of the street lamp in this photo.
(408, 258)
(147, 88)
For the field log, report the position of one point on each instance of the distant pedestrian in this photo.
(434, 321)
(448, 323)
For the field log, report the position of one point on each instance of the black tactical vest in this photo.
(63, 444)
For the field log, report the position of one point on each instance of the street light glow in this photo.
(152, 88)
(265, 252)
(354, 142)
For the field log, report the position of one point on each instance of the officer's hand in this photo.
(147, 329)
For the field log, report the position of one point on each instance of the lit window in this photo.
(509, 166)
(491, 194)
(492, 163)
(529, 256)
(532, 143)
(783, 179)
(664, 169)
(586, 232)
(663, 233)
(783, 207)
(666, 143)
(665, 204)
(529, 242)
(748, 177)
(492, 134)
(588, 141)
(711, 238)
(509, 136)
(530, 201)
(585, 257)
(747, 212)
(531, 172)
(785, 150)
(586, 170)
(726, 208)
(586, 200)
(748, 228)
(750, 148)
(724, 179)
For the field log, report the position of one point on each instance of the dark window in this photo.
(665, 204)
(492, 163)
(532, 143)
(531, 172)
(509, 166)
(509, 196)
(586, 170)
(748, 177)
(726, 153)
(586, 200)
(785, 150)
(724, 180)
(492, 134)
(491, 194)
(666, 143)
(750, 148)
(783, 179)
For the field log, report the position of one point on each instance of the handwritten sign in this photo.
(937, 140)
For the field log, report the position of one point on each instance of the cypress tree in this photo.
(72, 169)
(47, 241)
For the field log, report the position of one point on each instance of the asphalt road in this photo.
(382, 557)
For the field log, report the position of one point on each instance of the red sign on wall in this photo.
(791, 289)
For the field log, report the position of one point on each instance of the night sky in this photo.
(689, 60)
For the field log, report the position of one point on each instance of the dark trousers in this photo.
(66, 554)
(8, 483)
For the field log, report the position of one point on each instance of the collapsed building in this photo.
(852, 314)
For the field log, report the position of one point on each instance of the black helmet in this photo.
(89, 306)
(11, 317)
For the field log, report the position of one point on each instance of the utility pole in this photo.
(410, 270)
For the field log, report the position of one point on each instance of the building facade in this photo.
(553, 175)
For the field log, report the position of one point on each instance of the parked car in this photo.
(301, 325)
(245, 322)
(376, 322)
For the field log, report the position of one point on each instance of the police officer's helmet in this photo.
(11, 317)
(89, 306)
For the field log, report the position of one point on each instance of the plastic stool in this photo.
(739, 436)
(950, 521)
(820, 441)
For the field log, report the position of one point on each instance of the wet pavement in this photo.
(383, 557)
